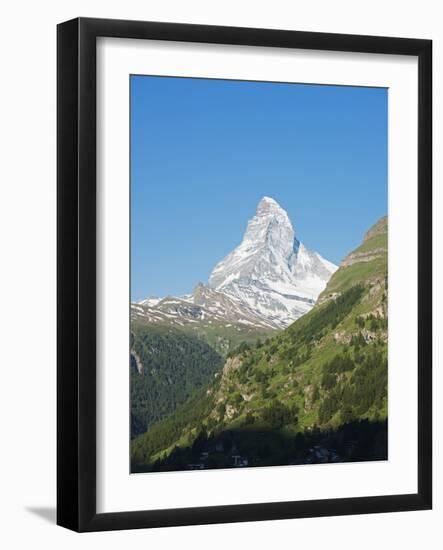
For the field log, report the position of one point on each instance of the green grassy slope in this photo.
(325, 372)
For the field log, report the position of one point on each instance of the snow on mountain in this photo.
(271, 270)
(205, 305)
(268, 281)
(150, 301)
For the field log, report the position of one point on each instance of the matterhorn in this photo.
(268, 281)
(271, 270)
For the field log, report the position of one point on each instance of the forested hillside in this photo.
(167, 366)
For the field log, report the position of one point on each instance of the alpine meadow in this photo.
(280, 355)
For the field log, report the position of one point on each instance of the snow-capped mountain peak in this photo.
(270, 226)
(269, 280)
(269, 206)
(270, 270)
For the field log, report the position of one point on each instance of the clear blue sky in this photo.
(203, 153)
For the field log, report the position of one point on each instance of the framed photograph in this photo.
(244, 274)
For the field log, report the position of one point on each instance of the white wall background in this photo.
(27, 272)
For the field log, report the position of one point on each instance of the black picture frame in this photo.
(76, 265)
